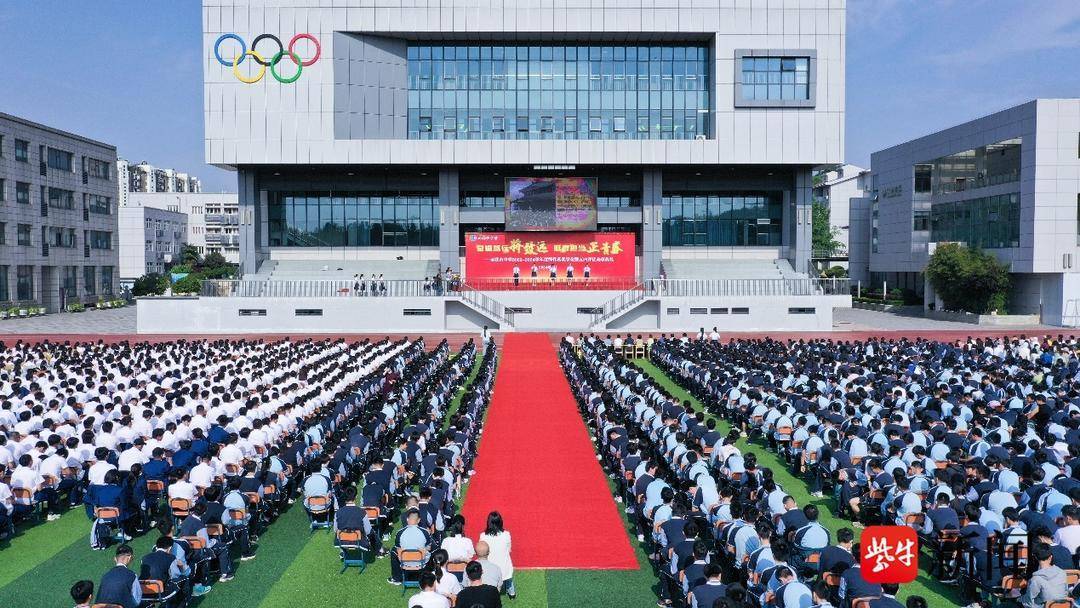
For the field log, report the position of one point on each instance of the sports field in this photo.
(297, 568)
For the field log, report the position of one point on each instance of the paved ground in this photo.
(857, 319)
(119, 324)
(111, 321)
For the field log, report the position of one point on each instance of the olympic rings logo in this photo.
(260, 59)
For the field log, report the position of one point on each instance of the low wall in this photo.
(985, 320)
(537, 311)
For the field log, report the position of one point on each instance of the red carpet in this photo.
(536, 466)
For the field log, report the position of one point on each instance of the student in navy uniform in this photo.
(837, 558)
(354, 518)
(887, 598)
(161, 565)
(120, 585)
(705, 594)
(852, 583)
(82, 592)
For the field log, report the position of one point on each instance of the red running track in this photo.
(536, 465)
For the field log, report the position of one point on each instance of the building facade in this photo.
(151, 240)
(213, 219)
(835, 188)
(58, 218)
(144, 177)
(1008, 183)
(386, 130)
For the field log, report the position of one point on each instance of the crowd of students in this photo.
(209, 441)
(973, 444)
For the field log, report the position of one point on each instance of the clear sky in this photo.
(130, 72)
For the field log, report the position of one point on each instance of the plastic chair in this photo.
(181, 508)
(353, 550)
(110, 516)
(457, 569)
(318, 510)
(412, 562)
(154, 593)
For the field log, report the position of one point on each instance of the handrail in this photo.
(620, 303)
(486, 303)
(322, 288)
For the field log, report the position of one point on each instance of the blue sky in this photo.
(130, 73)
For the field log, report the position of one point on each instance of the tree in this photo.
(189, 256)
(152, 284)
(192, 283)
(968, 279)
(214, 260)
(823, 235)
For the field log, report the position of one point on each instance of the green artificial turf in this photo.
(936, 593)
(296, 569)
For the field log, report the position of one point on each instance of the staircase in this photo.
(491, 307)
(621, 303)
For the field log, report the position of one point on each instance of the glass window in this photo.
(100, 239)
(60, 160)
(23, 234)
(990, 222)
(5, 295)
(717, 219)
(775, 78)
(24, 283)
(546, 89)
(594, 124)
(100, 204)
(61, 199)
(22, 150)
(3, 190)
(22, 193)
(107, 280)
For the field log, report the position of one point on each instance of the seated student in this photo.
(458, 547)
(445, 582)
(353, 518)
(236, 501)
(694, 572)
(791, 593)
(7, 507)
(941, 517)
(887, 599)
(811, 537)
(317, 484)
(161, 565)
(26, 477)
(492, 574)
(822, 595)
(477, 593)
(83, 593)
(852, 583)
(837, 558)
(195, 525)
(1048, 583)
(427, 597)
(1061, 556)
(120, 585)
(412, 537)
(108, 494)
(705, 594)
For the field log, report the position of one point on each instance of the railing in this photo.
(486, 303)
(748, 287)
(619, 303)
(315, 289)
(544, 283)
(827, 254)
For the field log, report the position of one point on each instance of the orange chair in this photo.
(181, 508)
(318, 510)
(412, 562)
(154, 592)
(457, 569)
(1072, 577)
(353, 548)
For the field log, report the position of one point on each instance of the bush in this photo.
(214, 260)
(152, 284)
(968, 279)
(189, 284)
(835, 272)
(75, 307)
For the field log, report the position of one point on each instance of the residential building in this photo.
(151, 240)
(144, 177)
(835, 188)
(213, 219)
(1008, 183)
(58, 219)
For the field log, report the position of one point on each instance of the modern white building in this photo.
(836, 187)
(1008, 183)
(213, 218)
(144, 177)
(150, 240)
(385, 132)
(58, 217)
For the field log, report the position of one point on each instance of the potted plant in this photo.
(76, 307)
(13, 312)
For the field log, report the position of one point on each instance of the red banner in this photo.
(530, 260)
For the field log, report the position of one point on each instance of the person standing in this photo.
(497, 538)
(586, 272)
(569, 274)
(517, 275)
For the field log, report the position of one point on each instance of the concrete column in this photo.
(252, 229)
(652, 192)
(802, 224)
(449, 201)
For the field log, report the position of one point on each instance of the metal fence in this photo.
(748, 287)
(318, 289)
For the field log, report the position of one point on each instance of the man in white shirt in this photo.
(428, 597)
(100, 467)
(182, 488)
